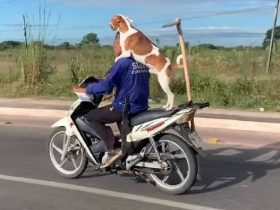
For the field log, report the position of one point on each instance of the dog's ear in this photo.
(123, 19)
(119, 19)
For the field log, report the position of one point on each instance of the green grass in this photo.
(224, 77)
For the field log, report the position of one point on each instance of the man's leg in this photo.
(99, 117)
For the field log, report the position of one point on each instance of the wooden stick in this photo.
(272, 38)
(184, 54)
(177, 23)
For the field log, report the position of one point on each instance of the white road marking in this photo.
(107, 193)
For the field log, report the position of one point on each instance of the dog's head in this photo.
(119, 21)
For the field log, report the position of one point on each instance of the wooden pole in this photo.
(272, 38)
(25, 37)
(24, 31)
(185, 66)
(184, 55)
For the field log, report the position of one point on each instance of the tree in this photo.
(9, 44)
(65, 46)
(90, 39)
(267, 38)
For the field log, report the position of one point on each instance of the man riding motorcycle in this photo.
(131, 81)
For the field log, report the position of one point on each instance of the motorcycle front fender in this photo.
(71, 130)
(64, 122)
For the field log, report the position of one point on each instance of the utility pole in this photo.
(272, 38)
(24, 31)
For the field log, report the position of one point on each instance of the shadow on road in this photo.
(225, 167)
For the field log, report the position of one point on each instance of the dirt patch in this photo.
(5, 65)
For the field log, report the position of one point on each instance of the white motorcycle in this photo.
(156, 144)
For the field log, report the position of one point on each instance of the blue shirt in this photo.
(131, 80)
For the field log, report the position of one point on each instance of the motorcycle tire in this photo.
(60, 167)
(187, 178)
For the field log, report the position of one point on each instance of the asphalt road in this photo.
(233, 177)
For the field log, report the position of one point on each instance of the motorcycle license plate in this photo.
(196, 139)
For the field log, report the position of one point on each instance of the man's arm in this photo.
(106, 85)
(79, 89)
(103, 86)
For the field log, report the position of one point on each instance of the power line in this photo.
(229, 12)
(212, 15)
(75, 27)
(11, 25)
(10, 30)
(10, 1)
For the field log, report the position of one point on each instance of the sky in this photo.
(218, 22)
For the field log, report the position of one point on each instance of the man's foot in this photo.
(113, 156)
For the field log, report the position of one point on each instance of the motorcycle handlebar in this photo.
(203, 105)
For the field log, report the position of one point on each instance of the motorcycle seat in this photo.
(151, 115)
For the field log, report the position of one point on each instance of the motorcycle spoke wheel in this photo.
(181, 170)
(75, 160)
(178, 174)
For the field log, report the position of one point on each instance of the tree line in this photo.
(91, 40)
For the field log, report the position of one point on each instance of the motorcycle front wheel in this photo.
(181, 171)
(70, 162)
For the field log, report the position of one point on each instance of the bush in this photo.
(90, 62)
(35, 65)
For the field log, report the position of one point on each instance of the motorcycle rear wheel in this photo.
(182, 170)
(75, 162)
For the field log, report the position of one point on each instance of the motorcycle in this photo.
(160, 145)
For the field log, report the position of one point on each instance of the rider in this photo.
(131, 81)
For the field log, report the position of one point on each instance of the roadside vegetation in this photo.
(226, 77)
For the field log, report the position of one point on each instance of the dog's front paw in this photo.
(167, 107)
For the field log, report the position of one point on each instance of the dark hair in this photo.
(117, 36)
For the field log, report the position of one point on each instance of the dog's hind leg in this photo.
(164, 81)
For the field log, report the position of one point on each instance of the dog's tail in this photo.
(178, 64)
(179, 59)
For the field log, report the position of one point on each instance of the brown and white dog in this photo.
(134, 42)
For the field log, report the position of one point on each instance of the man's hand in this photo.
(79, 89)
